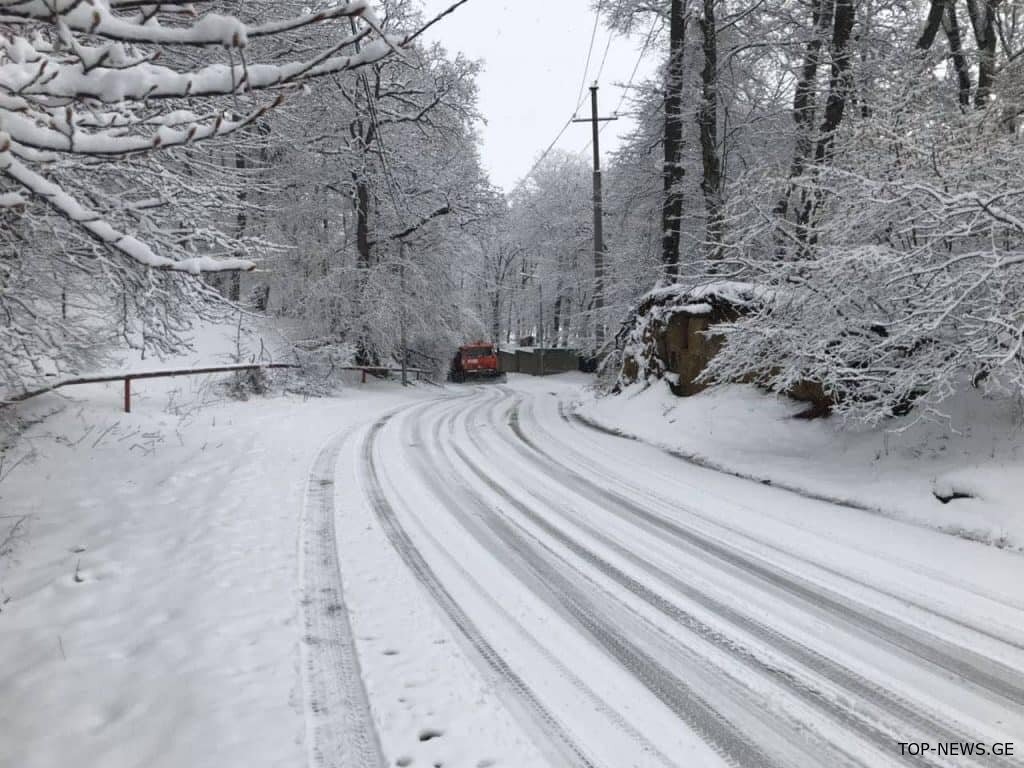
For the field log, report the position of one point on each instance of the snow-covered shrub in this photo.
(915, 281)
(320, 366)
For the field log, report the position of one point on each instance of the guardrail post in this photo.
(127, 395)
(364, 375)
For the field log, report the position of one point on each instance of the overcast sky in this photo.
(534, 55)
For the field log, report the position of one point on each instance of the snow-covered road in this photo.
(525, 590)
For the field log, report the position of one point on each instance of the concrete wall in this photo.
(507, 362)
(544, 362)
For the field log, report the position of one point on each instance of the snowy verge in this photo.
(149, 597)
(975, 463)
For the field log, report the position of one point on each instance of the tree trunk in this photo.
(362, 201)
(325, 265)
(363, 261)
(566, 320)
(496, 315)
(235, 280)
(556, 319)
(956, 51)
(932, 25)
(840, 85)
(983, 20)
(707, 118)
(673, 171)
(804, 101)
(942, 14)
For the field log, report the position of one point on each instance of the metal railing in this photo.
(127, 378)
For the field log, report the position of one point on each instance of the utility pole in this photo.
(599, 251)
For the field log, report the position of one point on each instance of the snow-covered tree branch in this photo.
(104, 108)
(75, 79)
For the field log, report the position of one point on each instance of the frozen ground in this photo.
(470, 578)
(898, 470)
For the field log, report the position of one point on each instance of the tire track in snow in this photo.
(573, 596)
(985, 673)
(586, 423)
(583, 689)
(419, 567)
(849, 682)
(340, 731)
(995, 678)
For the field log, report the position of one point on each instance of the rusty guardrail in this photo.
(127, 378)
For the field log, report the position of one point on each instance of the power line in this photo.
(590, 53)
(544, 154)
(604, 57)
(579, 98)
(639, 59)
(632, 77)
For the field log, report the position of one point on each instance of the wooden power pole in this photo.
(599, 251)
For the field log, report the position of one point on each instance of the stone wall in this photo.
(686, 349)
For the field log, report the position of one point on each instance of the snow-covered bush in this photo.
(863, 163)
(916, 281)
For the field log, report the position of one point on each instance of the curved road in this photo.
(639, 611)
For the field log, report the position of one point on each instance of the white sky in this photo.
(534, 54)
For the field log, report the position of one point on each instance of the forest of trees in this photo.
(859, 161)
(165, 162)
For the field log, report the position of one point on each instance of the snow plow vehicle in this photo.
(475, 361)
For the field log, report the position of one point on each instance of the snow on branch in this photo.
(915, 285)
(96, 18)
(12, 200)
(137, 145)
(28, 133)
(83, 81)
(101, 230)
(149, 81)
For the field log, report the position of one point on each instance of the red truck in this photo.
(478, 360)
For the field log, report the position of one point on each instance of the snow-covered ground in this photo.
(149, 610)
(632, 609)
(468, 577)
(898, 470)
